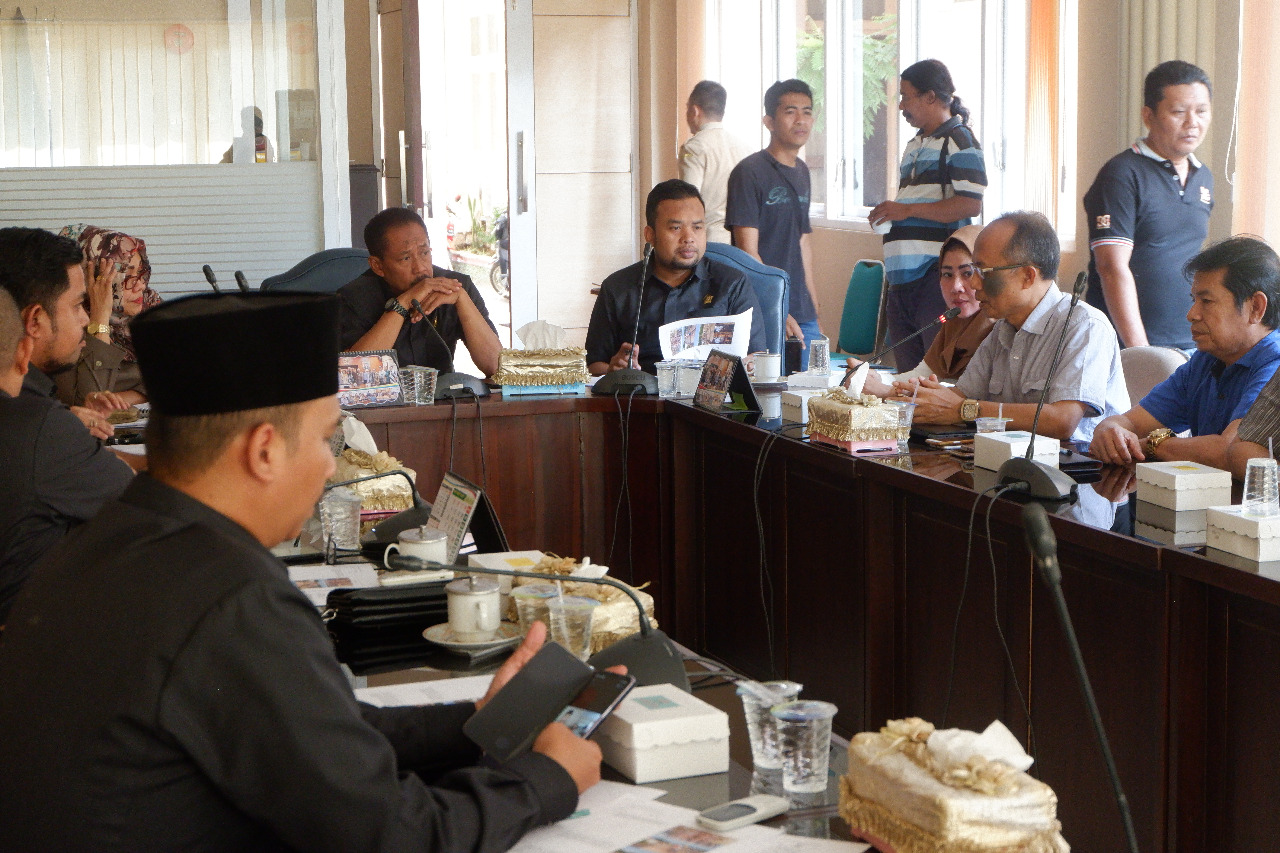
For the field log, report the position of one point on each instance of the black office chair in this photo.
(772, 287)
(323, 272)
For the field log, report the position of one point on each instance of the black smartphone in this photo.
(509, 723)
(596, 701)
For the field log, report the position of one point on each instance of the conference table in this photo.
(873, 581)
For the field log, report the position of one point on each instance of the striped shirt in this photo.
(913, 244)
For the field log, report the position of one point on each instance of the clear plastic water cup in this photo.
(570, 618)
(688, 372)
(820, 357)
(1261, 492)
(761, 728)
(906, 413)
(340, 521)
(666, 379)
(992, 424)
(804, 740)
(418, 385)
(531, 603)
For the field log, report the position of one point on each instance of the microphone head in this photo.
(208, 274)
(1081, 285)
(950, 314)
(241, 281)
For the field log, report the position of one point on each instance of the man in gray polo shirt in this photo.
(1017, 259)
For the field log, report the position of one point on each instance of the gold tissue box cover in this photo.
(566, 366)
(840, 416)
(897, 793)
(387, 494)
(616, 617)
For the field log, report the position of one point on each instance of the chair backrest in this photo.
(862, 322)
(1146, 367)
(323, 272)
(772, 287)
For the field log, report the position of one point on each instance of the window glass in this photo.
(155, 82)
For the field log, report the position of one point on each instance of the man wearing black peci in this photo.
(168, 688)
(681, 283)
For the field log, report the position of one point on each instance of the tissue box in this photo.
(993, 449)
(660, 732)
(1170, 527)
(795, 404)
(542, 371)
(510, 561)
(853, 423)
(1230, 530)
(1183, 485)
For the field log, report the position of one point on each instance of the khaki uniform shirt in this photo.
(706, 161)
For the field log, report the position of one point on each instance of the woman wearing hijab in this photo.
(117, 279)
(957, 340)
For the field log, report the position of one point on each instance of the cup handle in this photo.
(386, 555)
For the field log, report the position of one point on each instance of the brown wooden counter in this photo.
(857, 592)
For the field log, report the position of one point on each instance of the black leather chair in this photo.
(323, 272)
(772, 287)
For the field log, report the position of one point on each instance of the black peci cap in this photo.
(213, 353)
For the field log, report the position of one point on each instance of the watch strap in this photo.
(98, 328)
(393, 304)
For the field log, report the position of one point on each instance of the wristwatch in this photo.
(393, 304)
(1154, 439)
(969, 410)
(98, 328)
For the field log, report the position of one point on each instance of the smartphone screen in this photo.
(601, 695)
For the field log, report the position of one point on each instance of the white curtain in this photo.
(141, 93)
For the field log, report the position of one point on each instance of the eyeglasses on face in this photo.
(983, 272)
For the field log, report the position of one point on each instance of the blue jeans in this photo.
(808, 332)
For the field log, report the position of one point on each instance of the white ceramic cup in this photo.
(473, 609)
(881, 227)
(768, 366)
(424, 543)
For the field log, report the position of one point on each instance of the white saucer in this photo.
(508, 635)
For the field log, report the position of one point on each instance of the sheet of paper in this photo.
(610, 827)
(435, 692)
(317, 579)
(698, 336)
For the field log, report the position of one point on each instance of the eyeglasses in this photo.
(983, 272)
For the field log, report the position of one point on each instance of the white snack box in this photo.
(1183, 485)
(993, 449)
(510, 561)
(660, 732)
(1175, 538)
(1232, 531)
(795, 404)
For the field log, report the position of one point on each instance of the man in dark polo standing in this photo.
(1148, 213)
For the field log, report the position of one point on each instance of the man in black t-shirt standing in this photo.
(768, 208)
(1148, 213)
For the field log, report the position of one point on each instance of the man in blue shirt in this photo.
(1234, 290)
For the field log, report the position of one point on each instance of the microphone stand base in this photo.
(651, 658)
(1043, 482)
(626, 382)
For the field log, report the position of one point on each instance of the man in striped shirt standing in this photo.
(941, 180)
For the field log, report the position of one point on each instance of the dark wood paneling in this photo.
(826, 590)
(1119, 613)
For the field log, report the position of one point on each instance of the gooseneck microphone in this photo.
(631, 380)
(1044, 549)
(242, 282)
(1041, 481)
(949, 314)
(211, 278)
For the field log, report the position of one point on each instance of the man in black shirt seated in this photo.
(377, 310)
(55, 475)
(167, 688)
(681, 283)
